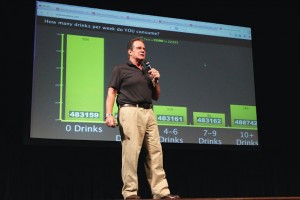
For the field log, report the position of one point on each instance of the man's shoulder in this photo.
(123, 65)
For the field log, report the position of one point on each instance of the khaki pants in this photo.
(138, 127)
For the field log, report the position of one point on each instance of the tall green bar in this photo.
(84, 80)
(243, 116)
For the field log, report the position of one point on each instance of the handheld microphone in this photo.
(147, 65)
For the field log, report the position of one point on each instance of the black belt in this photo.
(142, 105)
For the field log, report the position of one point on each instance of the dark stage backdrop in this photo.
(88, 173)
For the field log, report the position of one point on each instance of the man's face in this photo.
(138, 51)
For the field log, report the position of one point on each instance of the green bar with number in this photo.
(84, 81)
(170, 115)
(243, 116)
(205, 119)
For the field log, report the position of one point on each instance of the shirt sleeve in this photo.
(115, 79)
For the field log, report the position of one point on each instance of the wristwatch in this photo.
(108, 115)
